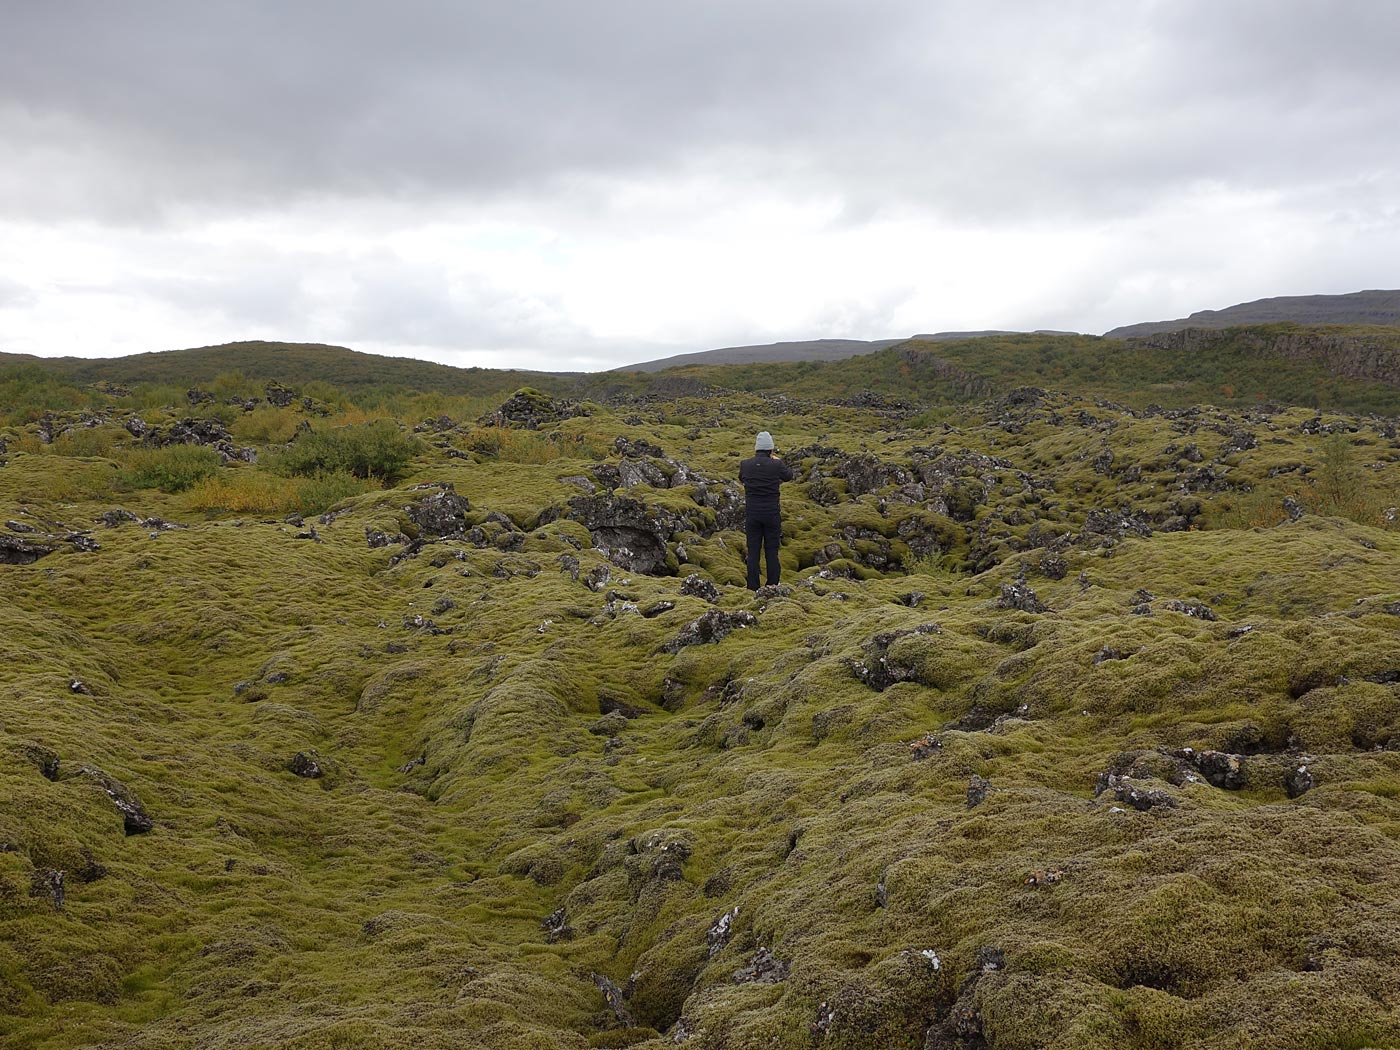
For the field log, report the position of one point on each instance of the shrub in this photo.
(249, 491)
(171, 469)
(265, 425)
(375, 450)
(534, 446)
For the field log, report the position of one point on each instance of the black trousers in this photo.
(763, 532)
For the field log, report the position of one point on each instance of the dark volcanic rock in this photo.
(632, 534)
(529, 409)
(717, 936)
(876, 669)
(1199, 610)
(763, 968)
(113, 518)
(557, 928)
(209, 433)
(441, 514)
(697, 586)
(1116, 523)
(1125, 790)
(617, 1002)
(303, 765)
(977, 790)
(44, 760)
(711, 627)
(15, 550)
(278, 395)
(1299, 782)
(1219, 769)
(48, 883)
(1019, 596)
(378, 538)
(135, 821)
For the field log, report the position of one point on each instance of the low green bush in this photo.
(171, 469)
(376, 450)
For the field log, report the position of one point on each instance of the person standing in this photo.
(763, 523)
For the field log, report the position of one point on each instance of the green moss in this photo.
(472, 786)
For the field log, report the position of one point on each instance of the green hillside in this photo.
(442, 720)
(299, 363)
(1339, 368)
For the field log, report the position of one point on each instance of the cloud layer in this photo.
(577, 185)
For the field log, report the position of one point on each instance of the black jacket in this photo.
(761, 476)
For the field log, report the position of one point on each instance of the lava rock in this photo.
(977, 790)
(1124, 790)
(303, 765)
(763, 968)
(135, 820)
(48, 883)
(1020, 597)
(1219, 769)
(116, 517)
(632, 534)
(710, 628)
(1196, 609)
(15, 550)
(278, 395)
(616, 1000)
(441, 514)
(697, 586)
(1299, 782)
(528, 409)
(557, 928)
(924, 746)
(720, 931)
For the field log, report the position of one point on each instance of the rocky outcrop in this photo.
(210, 433)
(712, 627)
(444, 513)
(21, 550)
(529, 409)
(1352, 356)
(24, 544)
(631, 534)
(135, 820)
(304, 765)
(763, 968)
(278, 395)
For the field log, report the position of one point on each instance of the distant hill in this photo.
(1356, 368)
(768, 353)
(288, 363)
(1375, 307)
(804, 350)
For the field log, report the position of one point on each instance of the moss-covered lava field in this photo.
(449, 723)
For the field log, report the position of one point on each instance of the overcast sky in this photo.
(566, 184)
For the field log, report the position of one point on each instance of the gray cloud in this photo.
(531, 179)
(134, 112)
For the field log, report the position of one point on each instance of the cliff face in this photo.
(1370, 357)
(1374, 306)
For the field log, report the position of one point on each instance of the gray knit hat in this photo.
(764, 442)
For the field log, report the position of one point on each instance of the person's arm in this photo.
(786, 474)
